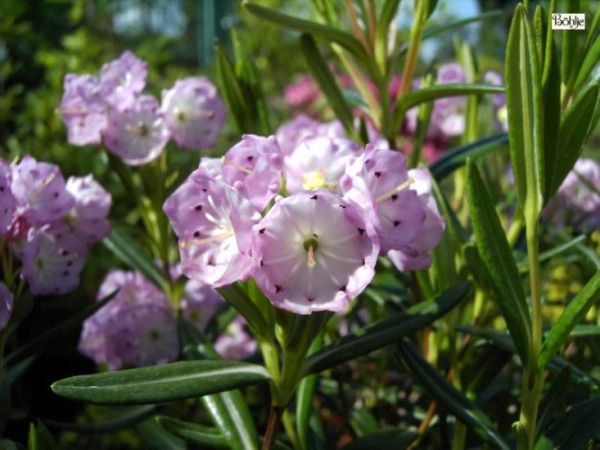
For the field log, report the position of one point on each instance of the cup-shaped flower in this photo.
(39, 189)
(52, 259)
(7, 199)
(194, 113)
(136, 132)
(292, 133)
(314, 251)
(257, 162)
(6, 305)
(123, 79)
(213, 222)
(136, 328)
(83, 109)
(415, 255)
(318, 162)
(378, 181)
(92, 203)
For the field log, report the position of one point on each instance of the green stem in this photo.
(533, 378)
(416, 32)
(290, 430)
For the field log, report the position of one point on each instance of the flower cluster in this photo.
(49, 223)
(577, 201)
(306, 218)
(138, 326)
(134, 126)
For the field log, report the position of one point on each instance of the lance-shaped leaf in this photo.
(456, 402)
(498, 259)
(571, 316)
(156, 384)
(387, 331)
(553, 398)
(193, 432)
(325, 32)
(525, 120)
(322, 74)
(40, 438)
(589, 62)
(457, 157)
(575, 127)
(430, 93)
(124, 247)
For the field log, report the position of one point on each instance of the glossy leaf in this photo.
(322, 74)
(193, 432)
(571, 316)
(383, 439)
(325, 32)
(228, 410)
(455, 401)
(589, 62)
(576, 125)
(435, 92)
(457, 157)
(164, 383)
(499, 261)
(574, 428)
(124, 247)
(525, 120)
(387, 331)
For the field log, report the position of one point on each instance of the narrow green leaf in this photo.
(325, 32)
(125, 419)
(388, 13)
(322, 74)
(553, 399)
(124, 247)
(157, 438)
(40, 438)
(585, 330)
(548, 254)
(304, 396)
(576, 427)
(387, 331)
(497, 257)
(589, 62)
(430, 93)
(525, 120)
(457, 157)
(156, 384)
(575, 127)
(45, 339)
(230, 88)
(456, 402)
(235, 295)
(383, 439)
(193, 432)
(551, 84)
(571, 316)
(569, 44)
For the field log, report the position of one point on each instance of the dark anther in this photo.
(314, 197)
(277, 289)
(361, 231)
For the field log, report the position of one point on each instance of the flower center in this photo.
(313, 180)
(310, 246)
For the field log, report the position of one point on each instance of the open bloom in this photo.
(135, 328)
(123, 78)
(314, 251)
(213, 222)
(194, 113)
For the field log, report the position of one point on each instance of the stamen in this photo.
(213, 238)
(43, 186)
(236, 166)
(394, 191)
(311, 257)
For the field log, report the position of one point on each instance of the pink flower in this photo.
(136, 328)
(318, 162)
(92, 203)
(83, 109)
(235, 342)
(39, 190)
(194, 113)
(314, 251)
(292, 133)
(136, 131)
(7, 199)
(123, 79)
(53, 258)
(213, 222)
(256, 162)
(200, 303)
(303, 93)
